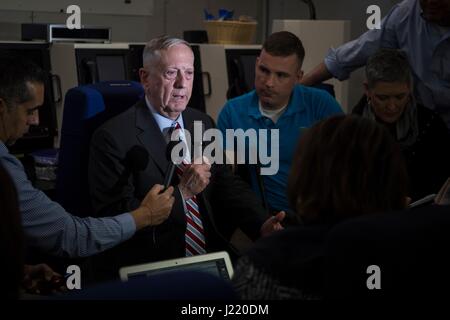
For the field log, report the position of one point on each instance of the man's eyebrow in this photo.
(279, 72)
(282, 73)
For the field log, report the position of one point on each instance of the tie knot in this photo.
(167, 132)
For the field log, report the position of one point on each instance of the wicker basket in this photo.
(230, 32)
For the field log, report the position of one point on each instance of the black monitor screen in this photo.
(248, 67)
(111, 67)
(241, 71)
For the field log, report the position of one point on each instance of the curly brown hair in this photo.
(346, 166)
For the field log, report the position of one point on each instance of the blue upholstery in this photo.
(86, 108)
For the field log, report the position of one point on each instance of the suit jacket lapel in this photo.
(150, 136)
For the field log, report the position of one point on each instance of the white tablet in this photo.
(217, 263)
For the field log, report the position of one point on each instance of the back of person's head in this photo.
(11, 237)
(346, 166)
(15, 74)
(283, 44)
(153, 48)
(388, 65)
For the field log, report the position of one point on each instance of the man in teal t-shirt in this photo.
(278, 102)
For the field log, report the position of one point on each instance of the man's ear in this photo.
(300, 74)
(256, 63)
(143, 74)
(366, 87)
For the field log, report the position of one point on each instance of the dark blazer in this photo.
(225, 204)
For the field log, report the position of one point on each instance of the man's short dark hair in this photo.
(283, 44)
(388, 65)
(15, 74)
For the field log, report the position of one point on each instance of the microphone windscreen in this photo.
(137, 158)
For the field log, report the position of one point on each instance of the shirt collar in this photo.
(294, 105)
(164, 123)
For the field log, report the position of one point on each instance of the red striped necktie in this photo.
(195, 235)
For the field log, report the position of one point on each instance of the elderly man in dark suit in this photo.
(210, 202)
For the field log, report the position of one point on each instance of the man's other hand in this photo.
(273, 224)
(195, 179)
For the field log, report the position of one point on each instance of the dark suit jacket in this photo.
(225, 204)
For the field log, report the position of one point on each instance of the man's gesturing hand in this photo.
(195, 179)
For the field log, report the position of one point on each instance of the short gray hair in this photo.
(388, 65)
(153, 48)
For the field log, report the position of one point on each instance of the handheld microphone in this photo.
(136, 160)
(171, 167)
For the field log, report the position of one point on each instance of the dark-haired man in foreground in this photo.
(47, 226)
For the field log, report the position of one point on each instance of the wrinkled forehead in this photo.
(35, 95)
(36, 90)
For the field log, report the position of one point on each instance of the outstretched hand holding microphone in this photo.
(157, 204)
(155, 208)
